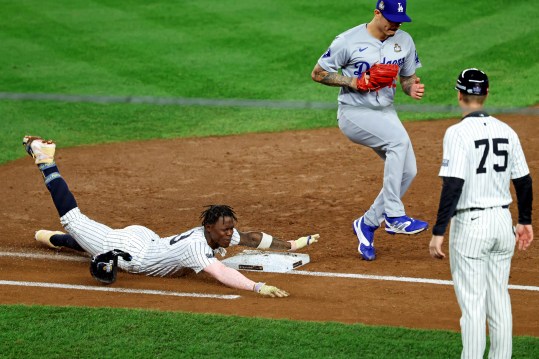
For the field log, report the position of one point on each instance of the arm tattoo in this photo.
(406, 83)
(250, 239)
(335, 79)
(332, 78)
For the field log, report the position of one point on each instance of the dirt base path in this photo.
(287, 184)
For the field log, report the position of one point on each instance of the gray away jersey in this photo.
(355, 51)
(485, 153)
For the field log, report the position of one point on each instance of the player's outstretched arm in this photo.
(232, 278)
(261, 240)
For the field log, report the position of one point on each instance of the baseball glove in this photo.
(377, 77)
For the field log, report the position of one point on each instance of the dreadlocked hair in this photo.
(215, 211)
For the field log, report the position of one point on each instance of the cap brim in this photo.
(398, 18)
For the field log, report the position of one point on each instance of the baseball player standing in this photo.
(480, 156)
(151, 254)
(366, 114)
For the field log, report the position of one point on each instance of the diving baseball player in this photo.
(149, 253)
(481, 155)
(367, 56)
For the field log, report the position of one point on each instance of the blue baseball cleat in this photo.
(365, 237)
(404, 225)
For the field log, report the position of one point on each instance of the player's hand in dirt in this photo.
(270, 291)
(304, 242)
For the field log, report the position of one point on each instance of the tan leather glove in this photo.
(270, 291)
(304, 242)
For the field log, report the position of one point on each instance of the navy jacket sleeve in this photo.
(523, 189)
(451, 191)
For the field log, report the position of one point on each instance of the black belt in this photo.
(479, 208)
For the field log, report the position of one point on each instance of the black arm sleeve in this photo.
(451, 190)
(523, 189)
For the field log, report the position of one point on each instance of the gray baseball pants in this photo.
(381, 130)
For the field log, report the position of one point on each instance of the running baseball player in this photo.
(149, 253)
(480, 156)
(370, 56)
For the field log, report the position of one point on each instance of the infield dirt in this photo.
(287, 184)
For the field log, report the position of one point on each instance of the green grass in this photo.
(71, 332)
(258, 50)
(89, 123)
(454, 35)
(244, 50)
(226, 50)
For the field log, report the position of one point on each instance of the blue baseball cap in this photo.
(393, 10)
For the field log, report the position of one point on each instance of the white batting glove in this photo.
(269, 291)
(303, 242)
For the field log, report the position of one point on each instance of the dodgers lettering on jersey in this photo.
(486, 153)
(355, 51)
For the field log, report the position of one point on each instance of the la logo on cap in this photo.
(393, 10)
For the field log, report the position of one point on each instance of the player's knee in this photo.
(399, 144)
(409, 173)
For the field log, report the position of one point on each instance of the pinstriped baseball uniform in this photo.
(152, 255)
(486, 153)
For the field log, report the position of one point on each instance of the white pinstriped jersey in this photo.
(485, 153)
(152, 255)
(356, 50)
(189, 249)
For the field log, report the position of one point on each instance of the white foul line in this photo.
(297, 272)
(57, 257)
(116, 290)
(397, 279)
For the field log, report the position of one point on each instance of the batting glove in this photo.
(269, 291)
(304, 242)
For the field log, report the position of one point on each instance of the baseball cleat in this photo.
(365, 237)
(404, 225)
(40, 149)
(43, 236)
